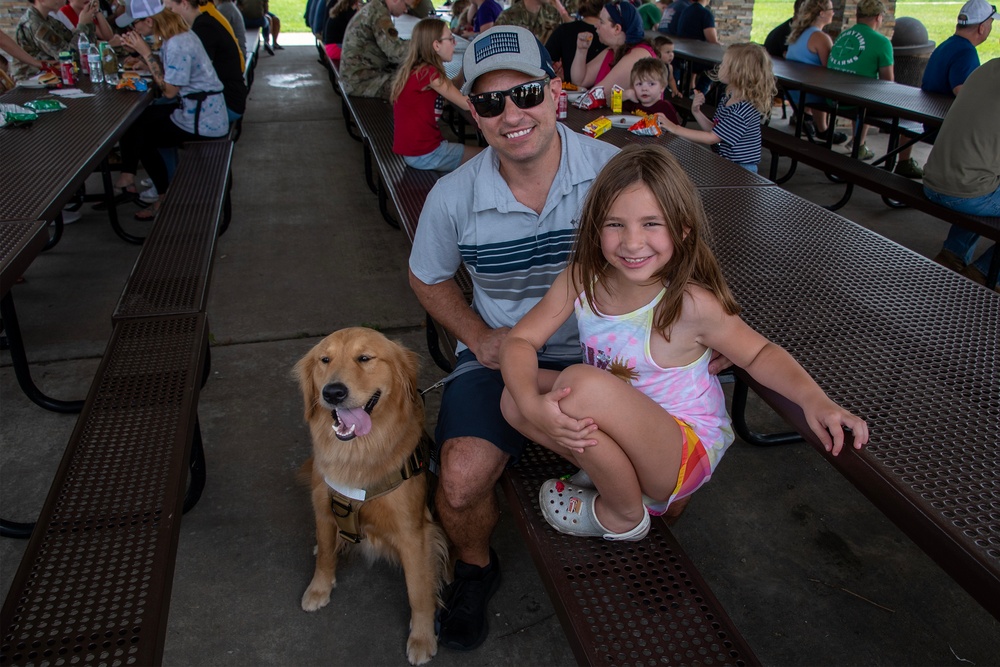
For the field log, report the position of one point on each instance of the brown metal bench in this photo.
(94, 583)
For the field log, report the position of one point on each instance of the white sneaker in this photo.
(145, 183)
(69, 217)
(149, 195)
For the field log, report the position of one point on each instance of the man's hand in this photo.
(718, 363)
(487, 348)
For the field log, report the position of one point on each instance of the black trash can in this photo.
(910, 49)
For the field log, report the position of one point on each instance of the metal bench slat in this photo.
(94, 584)
(621, 603)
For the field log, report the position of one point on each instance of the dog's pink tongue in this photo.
(358, 418)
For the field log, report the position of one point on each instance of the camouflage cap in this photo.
(868, 8)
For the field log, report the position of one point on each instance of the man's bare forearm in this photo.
(447, 305)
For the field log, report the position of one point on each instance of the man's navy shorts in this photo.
(470, 408)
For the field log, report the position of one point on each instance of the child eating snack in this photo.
(648, 81)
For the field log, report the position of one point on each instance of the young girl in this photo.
(417, 100)
(183, 70)
(642, 416)
(746, 71)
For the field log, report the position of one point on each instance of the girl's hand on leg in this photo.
(547, 416)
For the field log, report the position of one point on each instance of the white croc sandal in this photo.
(570, 510)
(580, 479)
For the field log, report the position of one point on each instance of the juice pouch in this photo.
(616, 99)
(597, 127)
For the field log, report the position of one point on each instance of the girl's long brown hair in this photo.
(692, 261)
(425, 33)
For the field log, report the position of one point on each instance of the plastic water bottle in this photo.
(82, 49)
(110, 64)
(94, 64)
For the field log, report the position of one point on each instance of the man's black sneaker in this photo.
(464, 620)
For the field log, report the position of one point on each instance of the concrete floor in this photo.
(807, 569)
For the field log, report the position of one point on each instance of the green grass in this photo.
(937, 17)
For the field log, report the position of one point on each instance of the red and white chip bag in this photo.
(646, 126)
(592, 99)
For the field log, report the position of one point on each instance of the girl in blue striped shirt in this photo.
(735, 129)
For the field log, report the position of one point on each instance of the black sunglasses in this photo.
(525, 96)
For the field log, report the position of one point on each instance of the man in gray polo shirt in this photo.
(509, 215)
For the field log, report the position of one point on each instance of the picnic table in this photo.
(46, 162)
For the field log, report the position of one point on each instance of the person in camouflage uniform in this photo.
(372, 49)
(541, 17)
(43, 37)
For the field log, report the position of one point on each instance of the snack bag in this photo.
(12, 114)
(132, 83)
(616, 99)
(592, 99)
(45, 106)
(646, 126)
(597, 127)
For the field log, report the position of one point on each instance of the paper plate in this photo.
(30, 84)
(574, 95)
(624, 121)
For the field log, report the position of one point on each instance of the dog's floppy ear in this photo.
(406, 371)
(302, 371)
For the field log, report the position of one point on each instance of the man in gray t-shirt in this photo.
(509, 216)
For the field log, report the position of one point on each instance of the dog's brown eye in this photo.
(364, 358)
(324, 360)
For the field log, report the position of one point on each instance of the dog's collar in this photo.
(346, 501)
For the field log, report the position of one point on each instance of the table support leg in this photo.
(19, 360)
(13, 529)
(56, 233)
(109, 198)
(197, 468)
(739, 414)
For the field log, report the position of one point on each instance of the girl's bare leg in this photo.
(639, 443)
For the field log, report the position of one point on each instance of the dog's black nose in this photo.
(335, 392)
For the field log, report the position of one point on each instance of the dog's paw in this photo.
(421, 648)
(316, 597)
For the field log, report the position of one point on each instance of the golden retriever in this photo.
(366, 419)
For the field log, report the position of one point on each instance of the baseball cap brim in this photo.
(124, 19)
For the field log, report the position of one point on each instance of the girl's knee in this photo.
(585, 383)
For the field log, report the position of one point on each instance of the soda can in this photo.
(563, 106)
(66, 68)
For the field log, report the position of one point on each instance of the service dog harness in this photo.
(346, 501)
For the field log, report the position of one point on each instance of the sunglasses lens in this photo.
(528, 95)
(525, 96)
(487, 105)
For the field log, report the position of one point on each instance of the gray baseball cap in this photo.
(505, 47)
(138, 9)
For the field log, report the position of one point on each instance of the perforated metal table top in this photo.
(173, 273)
(97, 572)
(908, 345)
(622, 603)
(20, 243)
(45, 163)
(705, 168)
